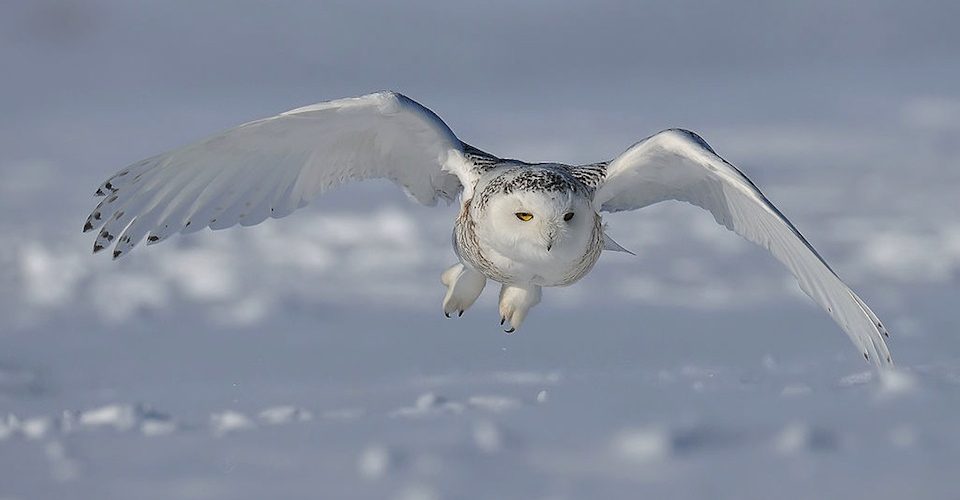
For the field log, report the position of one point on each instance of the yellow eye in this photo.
(524, 216)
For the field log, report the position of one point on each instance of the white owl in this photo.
(523, 225)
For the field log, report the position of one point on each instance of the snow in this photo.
(307, 357)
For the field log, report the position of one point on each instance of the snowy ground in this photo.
(308, 357)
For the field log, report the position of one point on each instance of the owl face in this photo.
(539, 224)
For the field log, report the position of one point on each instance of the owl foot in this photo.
(515, 302)
(463, 287)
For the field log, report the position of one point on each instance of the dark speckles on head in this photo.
(540, 178)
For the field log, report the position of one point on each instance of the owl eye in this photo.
(567, 216)
(524, 216)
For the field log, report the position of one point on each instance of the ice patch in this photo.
(642, 445)
(428, 404)
(542, 396)
(156, 427)
(798, 437)
(895, 383)
(860, 378)
(903, 436)
(495, 404)
(36, 427)
(284, 414)
(374, 462)
(487, 437)
(418, 492)
(49, 278)
(62, 467)
(795, 390)
(229, 421)
(342, 414)
(528, 378)
(120, 417)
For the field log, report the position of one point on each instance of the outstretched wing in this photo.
(679, 165)
(271, 167)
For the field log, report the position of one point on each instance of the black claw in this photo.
(502, 321)
(446, 314)
(511, 330)
(460, 314)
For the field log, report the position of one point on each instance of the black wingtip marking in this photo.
(97, 248)
(87, 227)
(116, 253)
(152, 238)
(866, 356)
(100, 192)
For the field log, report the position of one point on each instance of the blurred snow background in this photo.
(308, 356)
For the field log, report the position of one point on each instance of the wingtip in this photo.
(88, 227)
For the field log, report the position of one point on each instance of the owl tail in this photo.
(613, 246)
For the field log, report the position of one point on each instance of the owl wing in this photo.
(271, 167)
(679, 165)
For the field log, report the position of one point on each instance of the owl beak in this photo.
(551, 238)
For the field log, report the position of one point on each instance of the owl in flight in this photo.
(523, 225)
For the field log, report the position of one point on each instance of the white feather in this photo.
(679, 165)
(270, 167)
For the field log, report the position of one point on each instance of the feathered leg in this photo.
(515, 302)
(463, 287)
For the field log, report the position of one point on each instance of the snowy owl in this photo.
(523, 225)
